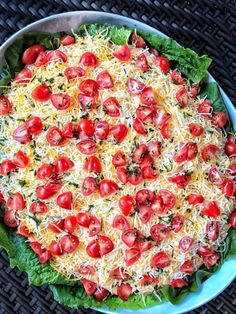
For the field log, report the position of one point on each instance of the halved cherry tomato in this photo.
(204, 108)
(120, 222)
(86, 147)
(89, 59)
(143, 113)
(230, 146)
(160, 117)
(44, 256)
(204, 251)
(94, 226)
(101, 130)
(182, 97)
(139, 153)
(89, 87)
(129, 236)
(145, 213)
(70, 223)
(100, 247)
(187, 267)
(74, 72)
(185, 243)
(55, 248)
(209, 151)
(135, 176)
(86, 270)
(111, 107)
(160, 260)
(141, 62)
(118, 274)
(144, 196)
(42, 59)
(124, 291)
(148, 280)
(148, 172)
(36, 247)
(89, 186)
(138, 126)
(30, 54)
(34, 125)
(57, 226)
(163, 63)
(157, 205)
(15, 202)
(126, 204)
(212, 230)
(211, 209)
(180, 178)
(92, 163)
(232, 219)
(63, 164)
(147, 96)
(68, 130)
(178, 283)
(211, 260)
(104, 80)
(86, 102)
(47, 190)
(93, 249)
(45, 171)
(219, 119)
(69, 243)
(38, 207)
(119, 159)
(137, 40)
(119, 132)
(164, 131)
(89, 286)
(56, 55)
(194, 90)
(87, 126)
(194, 199)
(131, 256)
(154, 148)
(41, 93)
(214, 176)
(159, 232)
(23, 230)
(100, 294)
(168, 199)
(195, 129)
(228, 187)
(176, 77)
(5, 106)
(135, 86)
(67, 40)
(177, 223)
(192, 150)
(232, 170)
(123, 53)
(55, 137)
(83, 219)
(21, 134)
(64, 200)
(10, 219)
(24, 76)
(107, 187)
(61, 101)
(7, 166)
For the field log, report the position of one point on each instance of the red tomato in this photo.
(182, 97)
(89, 59)
(15, 202)
(212, 230)
(160, 260)
(194, 90)
(135, 86)
(83, 219)
(180, 178)
(211, 260)
(119, 159)
(92, 163)
(42, 59)
(63, 164)
(157, 205)
(68, 130)
(22, 135)
(142, 63)
(232, 219)
(69, 243)
(209, 151)
(195, 129)
(104, 80)
(148, 172)
(168, 199)
(137, 40)
(38, 207)
(119, 132)
(60, 101)
(10, 219)
(44, 256)
(86, 102)
(74, 72)
(131, 256)
(36, 247)
(185, 243)
(94, 226)
(138, 126)
(57, 226)
(24, 76)
(101, 130)
(135, 176)
(100, 294)
(2, 199)
(64, 200)
(120, 222)
(89, 87)
(232, 170)
(45, 171)
(230, 149)
(148, 280)
(126, 204)
(111, 107)
(204, 108)
(47, 190)
(123, 53)
(55, 137)
(178, 283)
(86, 270)
(70, 223)
(214, 176)
(204, 251)
(154, 148)
(147, 96)
(139, 153)
(89, 186)
(211, 209)
(228, 187)
(107, 187)
(159, 232)
(187, 267)
(124, 291)
(67, 40)
(118, 274)
(7, 166)
(30, 54)
(219, 119)
(143, 113)
(23, 230)
(56, 55)
(160, 117)
(93, 249)
(89, 286)
(106, 245)
(164, 131)
(86, 147)
(181, 152)
(34, 125)
(41, 93)
(5, 106)
(55, 248)
(176, 77)
(194, 199)
(87, 126)
(163, 63)
(129, 236)
(177, 223)
(144, 196)
(145, 213)
(192, 150)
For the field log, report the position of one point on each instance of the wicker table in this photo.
(205, 26)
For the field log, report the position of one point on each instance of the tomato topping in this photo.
(192, 150)
(111, 107)
(86, 102)
(83, 219)
(177, 223)
(107, 187)
(89, 59)
(86, 147)
(148, 280)
(139, 153)
(163, 63)
(185, 243)
(86, 270)
(118, 274)
(228, 187)
(24, 76)
(45, 171)
(99, 247)
(89, 87)
(137, 40)
(178, 283)
(38, 207)
(147, 96)
(135, 86)
(120, 222)
(194, 199)
(160, 117)
(104, 80)
(36, 247)
(230, 146)
(70, 223)
(69, 243)
(94, 226)
(10, 219)
(126, 204)
(232, 219)
(42, 59)
(101, 130)
(63, 164)
(15, 202)
(89, 286)
(119, 132)
(211, 260)
(30, 55)
(187, 267)
(204, 251)
(123, 53)
(34, 125)
(124, 291)
(142, 63)
(209, 151)
(164, 131)
(60, 101)
(144, 196)
(143, 113)
(176, 77)
(56, 55)
(41, 93)
(129, 236)
(138, 126)
(148, 172)
(159, 232)
(100, 294)
(214, 176)
(89, 186)
(68, 130)
(64, 200)
(180, 178)
(204, 108)
(57, 226)
(195, 129)
(219, 119)
(182, 97)
(157, 205)
(44, 256)
(211, 209)
(144, 213)
(181, 152)
(93, 249)
(212, 230)
(55, 248)
(47, 190)
(134, 175)
(119, 159)
(131, 256)
(74, 72)
(168, 199)
(5, 106)
(92, 163)
(22, 135)
(67, 40)
(23, 230)
(55, 137)
(232, 170)
(87, 126)
(194, 90)
(154, 148)
(7, 166)
(160, 260)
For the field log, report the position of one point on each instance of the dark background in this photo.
(208, 27)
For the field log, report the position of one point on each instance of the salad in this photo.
(117, 167)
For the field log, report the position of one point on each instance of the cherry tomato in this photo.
(138, 126)
(143, 113)
(211, 209)
(195, 129)
(157, 205)
(38, 207)
(45, 171)
(180, 178)
(154, 148)
(232, 170)
(24, 76)
(41, 93)
(119, 159)
(55, 137)
(87, 126)
(148, 172)
(214, 176)
(10, 219)
(176, 77)
(182, 97)
(209, 151)
(139, 153)
(194, 90)
(42, 59)
(92, 163)
(30, 55)
(211, 260)
(69, 243)
(67, 40)
(131, 256)
(62, 164)
(185, 243)
(93, 249)
(89, 286)
(101, 130)
(22, 135)
(118, 274)
(148, 280)
(194, 199)
(36, 247)
(135, 176)
(228, 187)
(86, 147)
(23, 230)
(142, 63)
(177, 223)
(86, 270)
(83, 219)
(57, 226)
(204, 108)
(164, 131)
(68, 130)
(89, 59)
(100, 294)
(147, 96)
(56, 55)
(111, 107)
(86, 102)
(126, 204)
(104, 80)
(160, 260)
(107, 187)
(129, 236)
(64, 200)
(94, 226)
(89, 87)
(120, 222)
(145, 213)
(123, 53)
(55, 248)
(74, 72)
(204, 251)
(124, 291)
(70, 223)
(219, 119)
(119, 132)
(163, 63)
(187, 267)
(5, 106)
(7, 166)
(144, 196)
(137, 40)
(44, 256)
(160, 117)
(230, 149)
(232, 219)
(159, 232)
(47, 190)
(168, 199)
(15, 202)
(212, 230)
(61, 101)
(178, 283)
(34, 125)
(89, 186)
(135, 86)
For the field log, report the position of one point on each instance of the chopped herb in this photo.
(39, 79)
(22, 182)
(20, 119)
(90, 207)
(74, 184)
(50, 80)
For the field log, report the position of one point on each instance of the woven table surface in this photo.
(206, 26)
